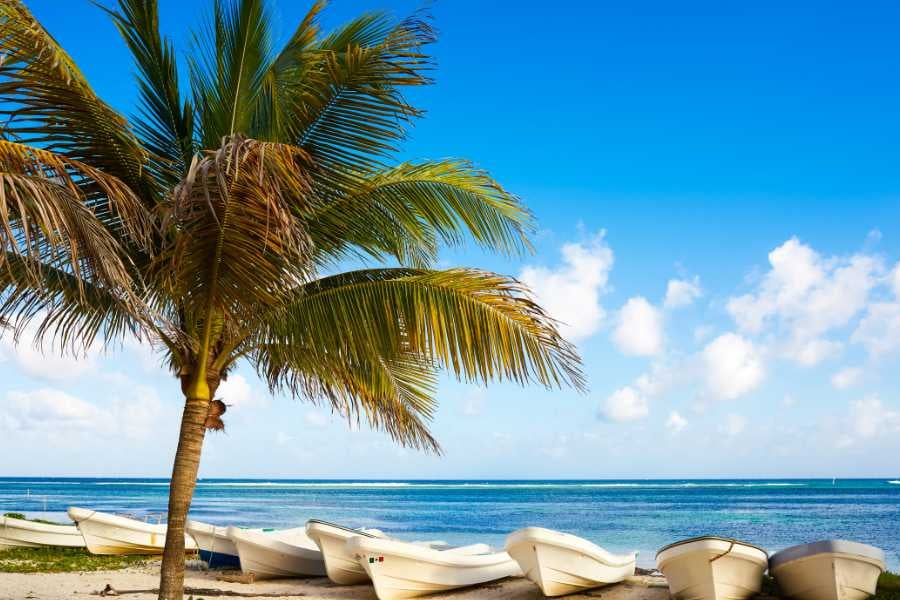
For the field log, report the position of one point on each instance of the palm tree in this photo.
(216, 223)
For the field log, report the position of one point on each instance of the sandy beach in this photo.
(139, 583)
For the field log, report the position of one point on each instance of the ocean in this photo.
(619, 515)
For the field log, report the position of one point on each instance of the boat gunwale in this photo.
(27, 525)
(350, 530)
(701, 538)
(262, 539)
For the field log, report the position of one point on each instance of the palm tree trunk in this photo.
(181, 491)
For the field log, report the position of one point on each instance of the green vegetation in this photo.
(62, 560)
(888, 587)
(15, 515)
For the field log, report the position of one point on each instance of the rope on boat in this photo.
(730, 548)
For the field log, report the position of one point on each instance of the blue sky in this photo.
(718, 195)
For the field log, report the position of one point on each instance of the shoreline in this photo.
(140, 583)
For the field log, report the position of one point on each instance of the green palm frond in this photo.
(479, 325)
(351, 113)
(405, 211)
(46, 102)
(165, 122)
(232, 54)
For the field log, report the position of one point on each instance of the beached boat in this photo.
(712, 568)
(106, 533)
(216, 548)
(272, 554)
(31, 534)
(560, 563)
(827, 570)
(407, 570)
(340, 565)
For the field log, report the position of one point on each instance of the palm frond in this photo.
(350, 112)
(240, 246)
(393, 394)
(479, 325)
(232, 54)
(403, 211)
(45, 101)
(165, 122)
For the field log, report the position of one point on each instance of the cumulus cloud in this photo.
(316, 419)
(571, 292)
(675, 423)
(237, 392)
(45, 362)
(53, 412)
(733, 366)
(625, 404)
(804, 296)
(879, 329)
(682, 292)
(846, 377)
(473, 403)
(639, 330)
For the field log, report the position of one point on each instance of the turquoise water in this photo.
(619, 515)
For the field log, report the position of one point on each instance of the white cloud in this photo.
(682, 292)
(53, 412)
(846, 377)
(788, 401)
(804, 296)
(316, 419)
(45, 362)
(625, 404)
(879, 329)
(733, 366)
(639, 331)
(571, 292)
(237, 392)
(869, 418)
(734, 425)
(283, 439)
(675, 423)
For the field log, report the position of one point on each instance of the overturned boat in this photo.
(33, 534)
(408, 570)
(271, 554)
(560, 563)
(712, 568)
(827, 570)
(105, 533)
(216, 548)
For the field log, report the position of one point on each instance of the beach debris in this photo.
(236, 577)
(109, 591)
(204, 593)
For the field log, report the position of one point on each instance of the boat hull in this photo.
(402, 570)
(713, 569)
(340, 565)
(115, 535)
(216, 549)
(561, 564)
(276, 555)
(829, 575)
(28, 534)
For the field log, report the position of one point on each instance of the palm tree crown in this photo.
(205, 222)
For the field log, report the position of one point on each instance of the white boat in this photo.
(105, 533)
(340, 565)
(216, 548)
(827, 570)
(712, 568)
(560, 563)
(272, 554)
(406, 570)
(31, 534)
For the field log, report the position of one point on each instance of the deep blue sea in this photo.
(619, 515)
